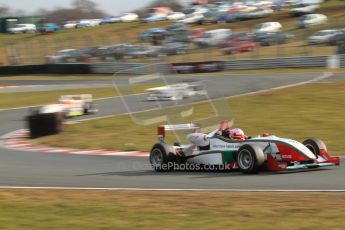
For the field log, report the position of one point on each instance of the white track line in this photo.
(96, 99)
(173, 190)
(319, 78)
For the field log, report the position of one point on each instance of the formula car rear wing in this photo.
(163, 128)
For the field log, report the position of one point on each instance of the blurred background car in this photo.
(228, 17)
(213, 38)
(70, 24)
(311, 20)
(338, 39)
(322, 36)
(209, 17)
(304, 9)
(267, 27)
(109, 20)
(198, 9)
(192, 18)
(243, 46)
(154, 17)
(177, 27)
(116, 52)
(88, 23)
(174, 16)
(49, 28)
(143, 51)
(152, 34)
(63, 56)
(268, 39)
(22, 28)
(238, 37)
(74, 55)
(173, 48)
(197, 33)
(257, 13)
(129, 17)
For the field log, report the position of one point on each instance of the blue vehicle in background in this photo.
(154, 17)
(49, 28)
(149, 34)
(228, 17)
(110, 20)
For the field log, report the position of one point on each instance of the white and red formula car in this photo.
(176, 92)
(71, 105)
(249, 155)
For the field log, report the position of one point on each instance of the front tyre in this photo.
(315, 145)
(250, 158)
(160, 160)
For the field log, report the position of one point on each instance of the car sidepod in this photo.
(218, 153)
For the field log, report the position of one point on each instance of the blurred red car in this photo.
(238, 47)
(238, 37)
(198, 33)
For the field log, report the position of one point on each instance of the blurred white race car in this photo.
(175, 92)
(71, 105)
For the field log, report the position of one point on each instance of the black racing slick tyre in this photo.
(87, 108)
(315, 145)
(90, 108)
(250, 158)
(160, 159)
(41, 125)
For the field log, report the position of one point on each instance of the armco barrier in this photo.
(166, 68)
(46, 69)
(123, 68)
(342, 61)
(130, 68)
(240, 64)
(198, 67)
(282, 62)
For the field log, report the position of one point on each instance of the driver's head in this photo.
(224, 124)
(237, 134)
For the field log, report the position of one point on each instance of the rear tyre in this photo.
(160, 160)
(315, 145)
(250, 158)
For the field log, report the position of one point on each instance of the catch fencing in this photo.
(342, 61)
(130, 68)
(274, 63)
(334, 61)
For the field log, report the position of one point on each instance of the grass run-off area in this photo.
(312, 110)
(24, 99)
(63, 209)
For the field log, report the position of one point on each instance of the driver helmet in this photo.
(237, 133)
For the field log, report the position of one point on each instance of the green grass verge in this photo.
(312, 110)
(24, 99)
(44, 209)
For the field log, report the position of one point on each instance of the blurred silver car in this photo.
(322, 36)
(213, 38)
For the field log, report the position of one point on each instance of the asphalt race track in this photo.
(34, 169)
